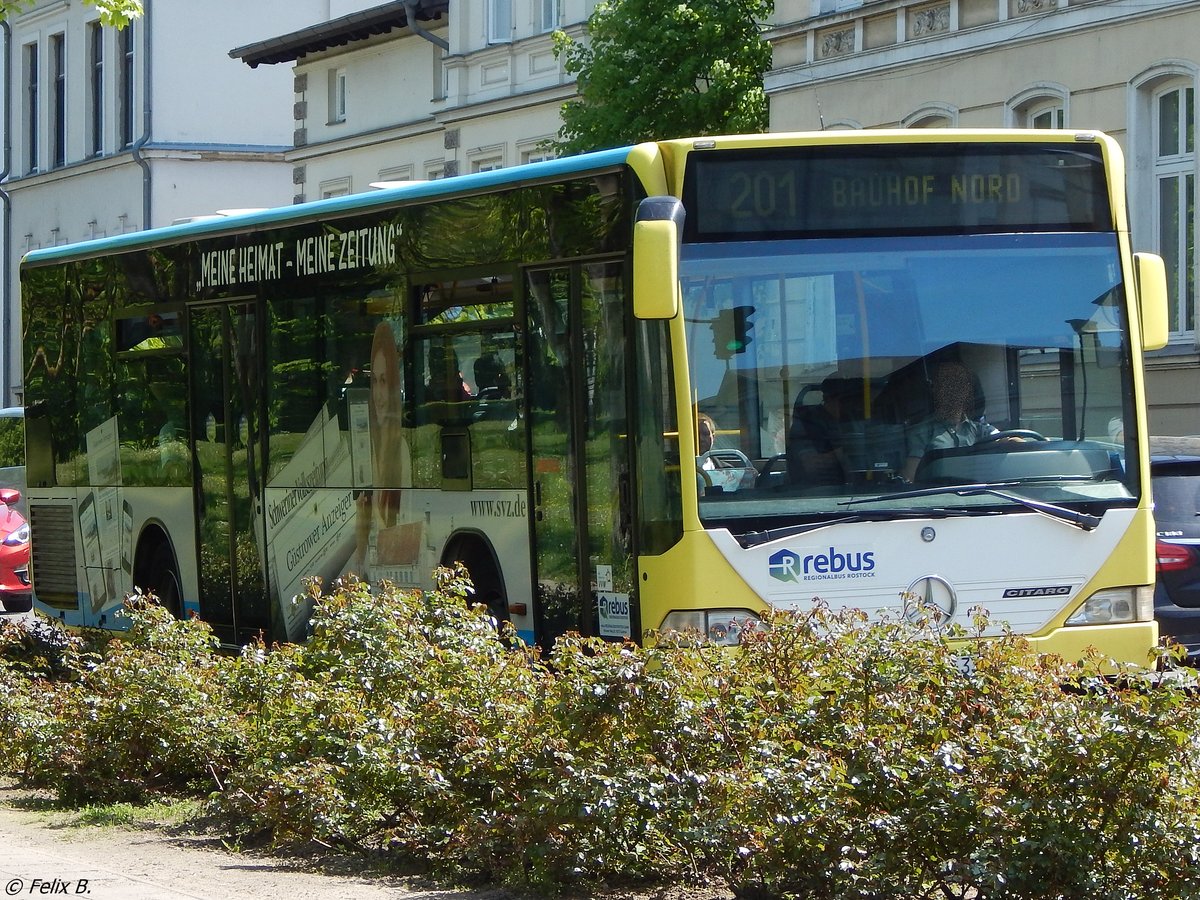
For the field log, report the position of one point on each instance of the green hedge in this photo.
(830, 757)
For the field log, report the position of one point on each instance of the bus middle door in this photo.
(575, 353)
(225, 348)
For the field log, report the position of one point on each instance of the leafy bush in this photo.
(135, 713)
(378, 715)
(873, 766)
(41, 648)
(829, 757)
(38, 662)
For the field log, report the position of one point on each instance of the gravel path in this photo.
(46, 852)
(39, 848)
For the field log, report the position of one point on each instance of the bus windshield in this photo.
(872, 368)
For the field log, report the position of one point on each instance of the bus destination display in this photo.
(820, 191)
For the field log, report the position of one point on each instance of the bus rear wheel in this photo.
(485, 576)
(163, 580)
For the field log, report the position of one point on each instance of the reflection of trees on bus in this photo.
(315, 349)
(225, 361)
(576, 355)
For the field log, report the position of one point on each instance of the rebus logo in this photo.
(787, 565)
(784, 565)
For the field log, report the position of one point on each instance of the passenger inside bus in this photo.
(719, 469)
(706, 433)
(815, 453)
(491, 375)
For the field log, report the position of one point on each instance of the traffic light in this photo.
(731, 331)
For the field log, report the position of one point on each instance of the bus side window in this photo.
(497, 432)
(441, 413)
(476, 436)
(153, 330)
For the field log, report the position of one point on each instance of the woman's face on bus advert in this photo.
(383, 383)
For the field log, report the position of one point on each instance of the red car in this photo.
(14, 554)
(14, 530)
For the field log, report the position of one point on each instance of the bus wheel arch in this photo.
(475, 552)
(156, 569)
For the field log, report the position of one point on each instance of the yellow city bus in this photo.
(653, 388)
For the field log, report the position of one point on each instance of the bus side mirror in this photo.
(657, 233)
(1151, 277)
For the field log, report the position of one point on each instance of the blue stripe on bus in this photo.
(261, 219)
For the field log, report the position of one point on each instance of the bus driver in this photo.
(955, 422)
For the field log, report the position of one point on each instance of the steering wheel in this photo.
(769, 466)
(1025, 434)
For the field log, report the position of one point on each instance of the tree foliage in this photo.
(660, 69)
(112, 12)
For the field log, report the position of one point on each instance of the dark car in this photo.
(1175, 481)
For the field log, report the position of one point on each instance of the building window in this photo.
(500, 21)
(337, 96)
(58, 100)
(392, 176)
(336, 187)
(96, 88)
(533, 150)
(1050, 116)
(549, 12)
(126, 84)
(832, 6)
(1174, 122)
(485, 159)
(930, 122)
(933, 115)
(439, 73)
(31, 107)
(1044, 104)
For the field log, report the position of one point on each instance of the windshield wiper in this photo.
(1086, 521)
(754, 538)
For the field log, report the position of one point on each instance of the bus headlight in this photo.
(1115, 605)
(723, 627)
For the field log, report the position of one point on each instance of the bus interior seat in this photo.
(871, 444)
(812, 427)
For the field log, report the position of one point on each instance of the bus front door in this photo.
(226, 418)
(576, 414)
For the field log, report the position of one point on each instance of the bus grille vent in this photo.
(53, 550)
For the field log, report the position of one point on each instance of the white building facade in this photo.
(109, 131)
(1127, 67)
(422, 89)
